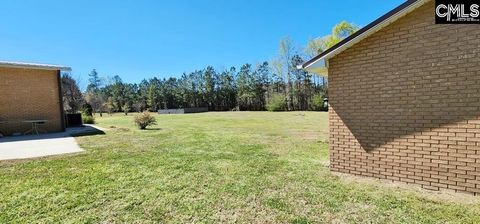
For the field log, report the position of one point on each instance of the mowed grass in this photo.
(246, 167)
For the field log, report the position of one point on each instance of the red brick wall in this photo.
(29, 94)
(405, 104)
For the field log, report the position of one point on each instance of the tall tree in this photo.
(251, 88)
(316, 46)
(96, 101)
(169, 93)
(94, 96)
(94, 81)
(282, 67)
(153, 94)
(72, 96)
(300, 84)
(245, 93)
(141, 97)
(226, 94)
(339, 32)
(261, 81)
(209, 85)
(110, 105)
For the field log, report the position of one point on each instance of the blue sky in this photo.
(142, 39)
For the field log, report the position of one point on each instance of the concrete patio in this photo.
(33, 146)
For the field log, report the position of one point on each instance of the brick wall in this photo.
(29, 94)
(405, 104)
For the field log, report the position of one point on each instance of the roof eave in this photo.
(7, 64)
(316, 63)
(319, 68)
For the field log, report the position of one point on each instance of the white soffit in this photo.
(319, 64)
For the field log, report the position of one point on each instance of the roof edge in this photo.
(11, 64)
(366, 31)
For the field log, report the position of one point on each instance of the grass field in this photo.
(247, 167)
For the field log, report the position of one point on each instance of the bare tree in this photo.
(139, 106)
(97, 101)
(72, 96)
(282, 66)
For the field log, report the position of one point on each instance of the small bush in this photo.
(87, 109)
(126, 108)
(86, 119)
(145, 119)
(277, 103)
(317, 103)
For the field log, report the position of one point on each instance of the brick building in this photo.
(30, 92)
(404, 98)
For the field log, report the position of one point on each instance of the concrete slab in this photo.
(24, 149)
(32, 146)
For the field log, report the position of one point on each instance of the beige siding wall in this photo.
(29, 94)
(405, 104)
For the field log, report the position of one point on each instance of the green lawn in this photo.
(247, 167)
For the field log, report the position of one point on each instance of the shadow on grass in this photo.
(151, 129)
(84, 130)
(98, 132)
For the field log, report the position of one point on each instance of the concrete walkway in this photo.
(32, 146)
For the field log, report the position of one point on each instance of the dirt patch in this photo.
(440, 196)
(121, 129)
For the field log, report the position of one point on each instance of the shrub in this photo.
(86, 119)
(110, 105)
(277, 103)
(317, 103)
(126, 108)
(145, 119)
(87, 109)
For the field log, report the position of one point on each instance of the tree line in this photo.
(277, 85)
